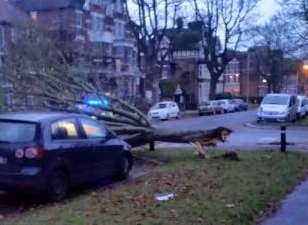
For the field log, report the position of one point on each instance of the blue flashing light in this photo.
(98, 102)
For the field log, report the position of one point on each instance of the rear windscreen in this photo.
(16, 132)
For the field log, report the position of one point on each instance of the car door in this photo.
(174, 109)
(69, 148)
(105, 153)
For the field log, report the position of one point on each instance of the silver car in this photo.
(210, 107)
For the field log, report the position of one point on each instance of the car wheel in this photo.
(168, 117)
(58, 186)
(125, 167)
(178, 116)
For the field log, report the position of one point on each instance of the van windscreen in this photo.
(17, 132)
(276, 100)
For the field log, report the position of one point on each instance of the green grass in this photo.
(298, 123)
(209, 192)
(303, 122)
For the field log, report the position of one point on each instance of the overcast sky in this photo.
(267, 9)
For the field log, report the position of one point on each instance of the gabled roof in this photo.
(11, 14)
(44, 5)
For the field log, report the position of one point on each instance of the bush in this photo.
(224, 95)
(167, 88)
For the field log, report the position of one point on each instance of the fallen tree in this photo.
(40, 70)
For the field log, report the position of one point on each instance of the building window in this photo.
(119, 6)
(2, 39)
(33, 15)
(79, 18)
(97, 23)
(97, 2)
(8, 99)
(120, 30)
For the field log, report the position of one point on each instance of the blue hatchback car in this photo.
(51, 152)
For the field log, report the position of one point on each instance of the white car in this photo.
(301, 107)
(280, 107)
(227, 105)
(164, 111)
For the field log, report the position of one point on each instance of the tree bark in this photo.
(171, 136)
(213, 88)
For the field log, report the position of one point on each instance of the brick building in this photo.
(187, 64)
(10, 19)
(95, 37)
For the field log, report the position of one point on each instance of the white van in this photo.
(301, 107)
(280, 107)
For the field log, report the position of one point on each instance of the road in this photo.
(244, 137)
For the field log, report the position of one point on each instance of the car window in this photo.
(17, 132)
(64, 129)
(93, 129)
(205, 103)
(277, 100)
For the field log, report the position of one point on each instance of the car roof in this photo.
(301, 96)
(166, 102)
(37, 117)
(285, 95)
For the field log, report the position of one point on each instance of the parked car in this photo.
(210, 107)
(306, 106)
(301, 107)
(226, 105)
(239, 104)
(164, 111)
(281, 107)
(52, 152)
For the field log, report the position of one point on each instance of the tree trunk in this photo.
(171, 136)
(213, 88)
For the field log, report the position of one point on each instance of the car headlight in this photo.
(283, 112)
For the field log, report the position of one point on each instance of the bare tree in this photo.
(36, 67)
(227, 19)
(295, 12)
(150, 20)
(275, 39)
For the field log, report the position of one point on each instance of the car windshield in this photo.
(205, 103)
(17, 132)
(239, 101)
(160, 106)
(276, 100)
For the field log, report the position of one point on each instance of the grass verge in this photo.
(298, 123)
(210, 192)
(303, 122)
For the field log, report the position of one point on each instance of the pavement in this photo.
(293, 209)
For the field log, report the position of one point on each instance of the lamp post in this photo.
(304, 69)
(248, 77)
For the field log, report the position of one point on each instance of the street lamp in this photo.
(264, 81)
(305, 66)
